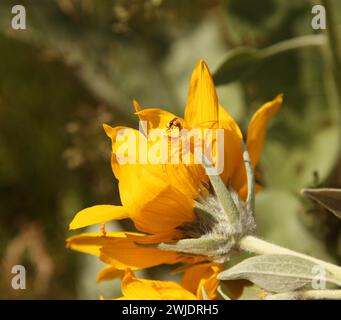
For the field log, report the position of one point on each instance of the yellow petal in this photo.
(168, 236)
(227, 122)
(158, 118)
(111, 132)
(109, 273)
(128, 142)
(143, 289)
(202, 275)
(257, 128)
(124, 253)
(156, 192)
(136, 106)
(91, 242)
(97, 214)
(255, 140)
(120, 251)
(232, 144)
(185, 178)
(188, 262)
(153, 203)
(202, 102)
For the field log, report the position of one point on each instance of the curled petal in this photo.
(158, 118)
(257, 128)
(109, 273)
(92, 242)
(97, 214)
(255, 140)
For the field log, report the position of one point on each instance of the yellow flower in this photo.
(159, 198)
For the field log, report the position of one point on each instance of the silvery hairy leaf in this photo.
(221, 191)
(277, 273)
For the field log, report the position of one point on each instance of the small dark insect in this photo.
(174, 123)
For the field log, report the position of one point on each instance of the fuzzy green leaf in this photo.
(221, 191)
(276, 273)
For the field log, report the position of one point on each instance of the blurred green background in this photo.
(81, 62)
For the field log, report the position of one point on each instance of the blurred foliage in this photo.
(81, 62)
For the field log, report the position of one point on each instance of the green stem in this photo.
(258, 246)
(294, 44)
(333, 44)
(335, 60)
